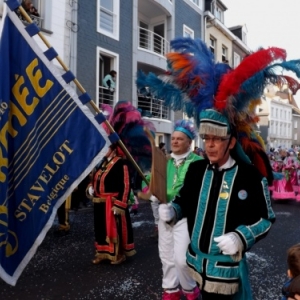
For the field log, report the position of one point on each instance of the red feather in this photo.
(253, 150)
(252, 64)
(293, 84)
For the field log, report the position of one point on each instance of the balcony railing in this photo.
(152, 107)
(106, 96)
(37, 20)
(153, 42)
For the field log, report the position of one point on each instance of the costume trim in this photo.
(214, 129)
(101, 200)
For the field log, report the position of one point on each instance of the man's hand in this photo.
(229, 243)
(91, 191)
(166, 212)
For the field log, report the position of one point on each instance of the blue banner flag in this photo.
(49, 142)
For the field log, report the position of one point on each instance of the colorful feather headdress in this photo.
(194, 82)
(185, 126)
(129, 125)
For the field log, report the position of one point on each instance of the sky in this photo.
(270, 23)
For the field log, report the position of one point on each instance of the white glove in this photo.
(91, 190)
(166, 212)
(229, 243)
(153, 199)
(112, 89)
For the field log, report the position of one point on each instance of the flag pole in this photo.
(92, 103)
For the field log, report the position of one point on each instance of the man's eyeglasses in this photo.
(214, 139)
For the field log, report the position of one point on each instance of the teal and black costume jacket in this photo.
(216, 202)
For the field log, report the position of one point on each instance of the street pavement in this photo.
(62, 268)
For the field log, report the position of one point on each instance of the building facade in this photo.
(56, 21)
(276, 118)
(229, 45)
(127, 36)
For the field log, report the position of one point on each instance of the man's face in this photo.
(180, 143)
(217, 148)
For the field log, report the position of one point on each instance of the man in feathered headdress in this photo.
(174, 240)
(227, 214)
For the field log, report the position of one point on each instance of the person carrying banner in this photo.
(111, 185)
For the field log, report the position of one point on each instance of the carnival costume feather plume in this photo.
(106, 110)
(231, 82)
(292, 83)
(195, 82)
(129, 125)
(186, 127)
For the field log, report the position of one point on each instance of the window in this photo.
(295, 136)
(224, 54)
(37, 9)
(188, 32)
(198, 3)
(106, 62)
(159, 138)
(218, 12)
(296, 124)
(108, 18)
(236, 59)
(212, 45)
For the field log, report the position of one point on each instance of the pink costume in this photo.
(283, 188)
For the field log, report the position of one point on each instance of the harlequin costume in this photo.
(223, 102)
(111, 186)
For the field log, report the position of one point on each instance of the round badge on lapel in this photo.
(242, 194)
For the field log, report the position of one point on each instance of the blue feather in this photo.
(204, 68)
(176, 97)
(152, 84)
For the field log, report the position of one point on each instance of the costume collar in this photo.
(179, 158)
(229, 163)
